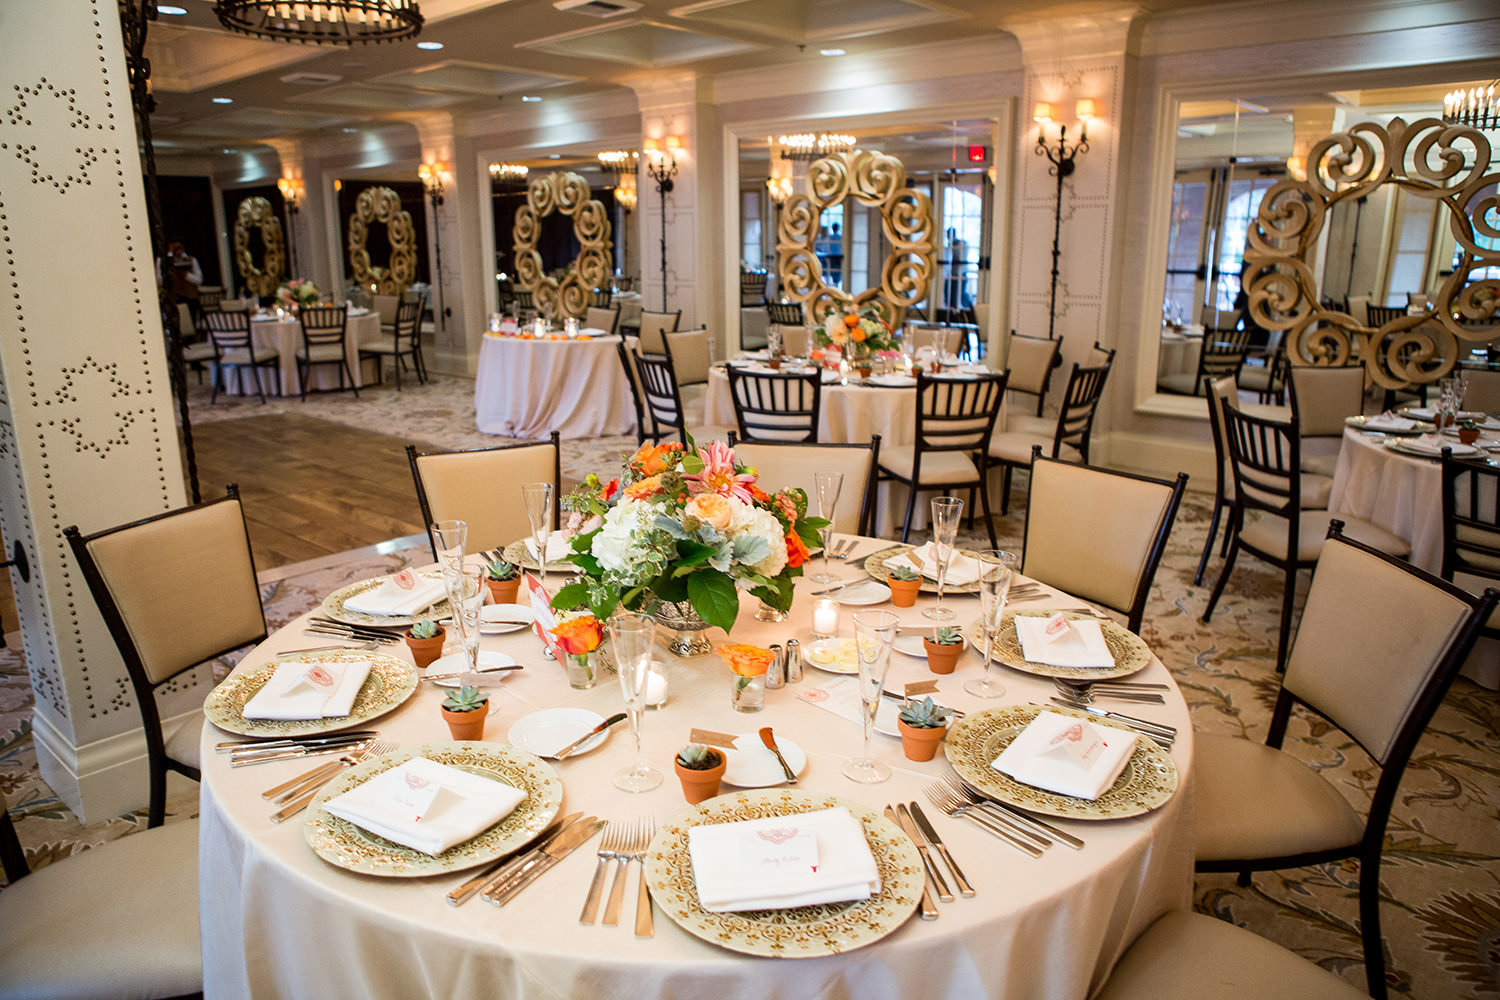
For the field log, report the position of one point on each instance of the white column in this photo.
(87, 434)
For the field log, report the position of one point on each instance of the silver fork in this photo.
(305, 795)
(609, 849)
(944, 798)
(1086, 693)
(617, 888)
(1035, 826)
(643, 922)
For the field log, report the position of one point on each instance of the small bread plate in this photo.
(863, 592)
(751, 765)
(837, 656)
(546, 732)
(446, 670)
(497, 619)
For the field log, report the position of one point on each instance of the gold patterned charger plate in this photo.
(516, 552)
(390, 683)
(333, 606)
(1148, 781)
(800, 932)
(875, 566)
(345, 845)
(1130, 651)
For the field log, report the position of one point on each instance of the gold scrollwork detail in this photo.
(1426, 159)
(567, 194)
(383, 205)
(264, 276)
(873, 179)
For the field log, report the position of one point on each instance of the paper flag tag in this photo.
(779, 851)
(711, 738)
(415, 795)
(920, 687)
(541, 606)
(1079, 742)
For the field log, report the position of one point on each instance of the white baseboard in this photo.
(451, 361)
(99, 780)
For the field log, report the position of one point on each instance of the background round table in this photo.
(526, 388)
(278, 921)
(285, 337)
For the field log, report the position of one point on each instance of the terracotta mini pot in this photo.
(424, 651)
(504, 591)
(920, 744)
(1467, 436)
(700, 785)
(466, 725)
(904, 592)
(942, 659)
(774, 362)
(865, 371)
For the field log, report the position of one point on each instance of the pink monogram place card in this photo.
(414, 795)
(1079, 743)
(776, 852)
(541, 606)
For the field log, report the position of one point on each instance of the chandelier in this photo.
(316, 22)
(808, 147)
(1475, 107)
(620, 161)
(509, 171)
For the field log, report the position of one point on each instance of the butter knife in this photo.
(910, 829)
(1166, 732)
(769, 739)
(507, 876)
(566, 844)
(928, 909)
(463, 893)
(920, 818)
(601, 727)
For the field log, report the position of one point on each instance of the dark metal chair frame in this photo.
(1223, 353)
(759, 397)
(323, 326)
(1075, 421)
(659, 391)
(409, 327)
(626, 352)
(785, 313)
(1466, 481)
(230, 331)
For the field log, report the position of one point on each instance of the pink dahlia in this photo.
(718, 475)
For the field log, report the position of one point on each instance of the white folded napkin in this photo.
(391, 598)
(1433, 444)
(559, 547)
(302, 690)
(465, 806)
(1067, 755)
(748, 865)
(962, 570)
(1389, 422)
(1081, 644)
(894, 380)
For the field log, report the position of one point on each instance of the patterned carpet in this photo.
(1441, 877)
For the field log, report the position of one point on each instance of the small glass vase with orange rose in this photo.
(579, 637)
(749, 664)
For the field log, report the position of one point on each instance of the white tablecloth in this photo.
(285, 336)
(530, 388)
(280, 922)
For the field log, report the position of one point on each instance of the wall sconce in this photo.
(1064, 162)
(432, 180)
(780, 189)
(661, 164)
(292, 192)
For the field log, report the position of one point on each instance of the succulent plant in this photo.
(925, 714)
(697, 757)
(424, 629)
(502, 569)
(904, 573)
(465, 699)
(947, 636)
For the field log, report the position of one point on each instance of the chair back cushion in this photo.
(598, 318)
(1323, 397)
(484, 488)
(1371, 638)
(653, 325)
(386, 306)
(1030, 363)
(689, 352)
(783, 465)
(184, 585)
(795, 341)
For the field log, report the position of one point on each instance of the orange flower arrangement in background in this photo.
(580, 635)
(746, 660)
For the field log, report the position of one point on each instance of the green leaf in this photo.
(572, 596)
(691, 553)
(714, 598)
(669, 588)
(810, 533)
(692, 464)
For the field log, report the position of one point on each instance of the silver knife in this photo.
(561, 848)
(910, 829)
(929, 910)
(464, 892)
(245, 760)
(504, 878)
(601, 727)
(1166, 731)
(291, 741)
(964, 888)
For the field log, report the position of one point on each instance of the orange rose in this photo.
(712, 509)
(652, 459)
(746, 660)
(578, 635)
(757, 494)
(796, 550)
(851, 320)
(858, 334)
(643, 489)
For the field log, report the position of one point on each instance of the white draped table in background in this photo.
(285, 337)
(530, 388)
(280, 922)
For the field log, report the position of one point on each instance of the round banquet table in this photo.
(526, 388)
(280, 922)
(285, 336)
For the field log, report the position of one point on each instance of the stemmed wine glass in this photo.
(996, 570)
(946, 513)
(633, 636)
(874, 631)
(539, 512)
(828, 486)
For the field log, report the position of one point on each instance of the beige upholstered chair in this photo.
(945, 340)
(1471, 528)
(1030, 363)
(229, 332)
(324, 342)
(776, 406)
(405, 340)
(661, 402)
(483, 487)
(1099, 355)
(1359, 309)
(1066, 437)
(1482, 391)
(602, 318)
(787, 463)
(690, 355)
(1321, 400)
(117, 920)
(1097, 534)
(653, 325)
(796, 341)
(1223, 353)
(387, 306)
(1268, 519)
(1379, 645)
(175, 590)
(1191, 956)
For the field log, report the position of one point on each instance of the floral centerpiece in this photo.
(855, 332)
(298, 291)
(687, 525)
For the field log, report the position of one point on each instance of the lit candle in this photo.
(656, 685)
(825, 616)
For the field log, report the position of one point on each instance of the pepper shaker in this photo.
(793, 661)
(776, 672)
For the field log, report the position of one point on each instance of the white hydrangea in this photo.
(755, 521)
(612, 545)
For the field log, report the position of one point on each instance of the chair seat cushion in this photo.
(1025, 424)
(1015, 446)
(385, 345)
(245, 356)
(197, 352)
(321, 352)
(1269, 534)
(117, 920)
(182, 743)
(1315, 491)
(1259, 380)
(937, 466)
(1191, 956)
(1183, 383)
(1255, 801)
(1320, 465)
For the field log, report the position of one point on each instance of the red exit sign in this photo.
(978, 154)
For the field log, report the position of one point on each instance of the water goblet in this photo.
(632, 637)
(538, 498)
(828, 485)
(996, 571)
(874, 631)
(946, 513)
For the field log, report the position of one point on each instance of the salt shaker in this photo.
(776, 672)
(793, 661)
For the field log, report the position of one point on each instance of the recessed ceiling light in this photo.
(230, 152)
(223, 100)
(554, 156)
(529, 99)
(830, 52)
(430, 45)
(348, 129)
(165, 9)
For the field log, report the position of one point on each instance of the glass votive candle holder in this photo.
(494, 322)
(825, 618)
(583, 670)
(658, 684)
(570, 327)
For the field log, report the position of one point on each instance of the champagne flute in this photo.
(633, 636)
(874, 631)
(538, 498)
(996, 571)
(465, 596)
(828, 486)
(946, 513)
(449, 538)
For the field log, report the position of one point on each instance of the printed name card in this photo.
(1058, 626)
(414, 796)
(541, 606)
(315, 678)
(1079, 743)
(778, 851)
(711, 738)
(916, 688)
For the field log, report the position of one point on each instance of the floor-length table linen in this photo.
(285, 337)
(528, 388)
(280, 922)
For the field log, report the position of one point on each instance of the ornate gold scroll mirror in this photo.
(264, 277)
(873, 179)
(381, 204)
(1426, 159)
(567, 193)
